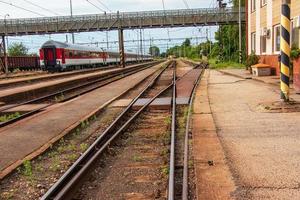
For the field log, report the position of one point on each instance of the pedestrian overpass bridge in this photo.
(121, 21)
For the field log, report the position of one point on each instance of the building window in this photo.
(276, 38)
(294, 35)
(263, 43)
(263, 3)
(253, 5)
(253, 42)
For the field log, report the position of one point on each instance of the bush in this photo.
(252, 59)
(295, 53)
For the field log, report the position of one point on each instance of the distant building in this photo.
(263, 29)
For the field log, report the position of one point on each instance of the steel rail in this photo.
(27, 114)
(172, 146)
(44, 76)
(185, 184)
(63, 186)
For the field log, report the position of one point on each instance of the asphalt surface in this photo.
(262, 149)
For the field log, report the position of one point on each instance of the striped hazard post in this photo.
(121, 48)
(285, 49)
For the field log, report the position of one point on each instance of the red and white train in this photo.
(59, 56)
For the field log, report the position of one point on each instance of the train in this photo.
(60, 56)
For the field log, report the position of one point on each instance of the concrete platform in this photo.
(261, 149)
(25, 108)
(182, 68)
(212, 175)
(33, 77)
(242, 73)
(31, 136)
(38, 89)
(184, 86)
(273, 81)
(184, 91)
(159, 103)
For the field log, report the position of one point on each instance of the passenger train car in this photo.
(59, 56)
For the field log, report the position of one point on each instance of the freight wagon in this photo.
(21, 62)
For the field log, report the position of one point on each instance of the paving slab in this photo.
(28, 137)
(261, 148)
(212, 174)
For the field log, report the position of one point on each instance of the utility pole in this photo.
(141, 43)
(240, 33)
(210, 40)
(285, 48)
(107, 40)
(144, 42)
(4, 46)
(71, 10)
(121, 48)
(4, 54)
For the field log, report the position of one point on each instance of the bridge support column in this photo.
(121, 48)
(4, 54)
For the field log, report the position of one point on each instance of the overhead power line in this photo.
(186, 4)
(163, 3)
(147, 40)
(36, 5)
(96, 6)
(104, 6)
(19, 7)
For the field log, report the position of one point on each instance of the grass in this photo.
(168, 120)
(137, 158)
(225, 65)
(84, 146)
(5, 118)
(55, 165)
(165, 170)
(59, 98)
(72, 157)
(27, 171)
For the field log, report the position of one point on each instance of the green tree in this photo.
(187, 42)
(17, 49)
(227, 40)
(154, 51)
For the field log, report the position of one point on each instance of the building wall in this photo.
(268, 16)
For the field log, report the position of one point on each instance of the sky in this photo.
(39, 8)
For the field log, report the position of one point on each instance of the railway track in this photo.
(72, 92)
(9, 82)
(65, 187)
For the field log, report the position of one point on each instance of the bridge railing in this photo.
(121, 15)
(34, 24)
